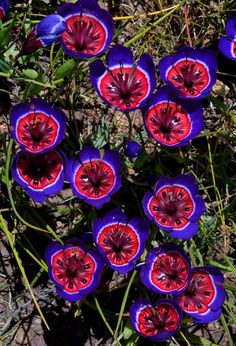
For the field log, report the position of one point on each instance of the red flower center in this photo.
(234, 48)
(191, 77)
(40, 170)
(119, 242)
(199, 293)
(84, 34)
(155, 320)
(124, 87)
(169, 272)
(2, 14)
(73, 268)
(37, 131)
(94, 179)
(168, 123)
(172, 206)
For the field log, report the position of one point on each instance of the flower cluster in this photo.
(173, 116)
(197, 291)
(38, 127)
(83, 29)
(227, 44)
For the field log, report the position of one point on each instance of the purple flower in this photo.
(94, 178)
(89, 29)
(191, 72)
(4, 5)
(119, 241)
(227, 45)
(37, 125)
(122, 83)
(40, 175)
(132, 148)
(75, 270)
(172, 121)
(155, 322)
(167, 270)
(204, 295)
(175, 206)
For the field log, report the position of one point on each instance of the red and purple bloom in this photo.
(172, 121)
(94, 178)
(75, 270)
(4, 5)
(119, 241)
(166, 270)
(191, 72)
(227, 44)
(204, 295)
(175, 206)
(89, 29)
(122, 83)
(40, 175)
(155, 322)
(37, 125)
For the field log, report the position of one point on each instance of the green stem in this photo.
(49, 229)
(150, 27)
(217, 194)
(122, 309)
(104, 319)
(18, 260)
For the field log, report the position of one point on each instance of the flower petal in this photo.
(119, 55)
(50, 28)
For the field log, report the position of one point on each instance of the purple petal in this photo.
(70, 297)
(146, 200)
(119, 56)
(185, 233)
(146, 63)
(163, 66)
(226, 46)
(209, 316)
(231, 26)
(187, 181)
(89, 154)
(162, 182)
(50, 28)
(112, 158)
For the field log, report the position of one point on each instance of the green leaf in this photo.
(35, 89)
(65, 69)
(29, 73)
(4, 67)
(4, 37)
(128, 331)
